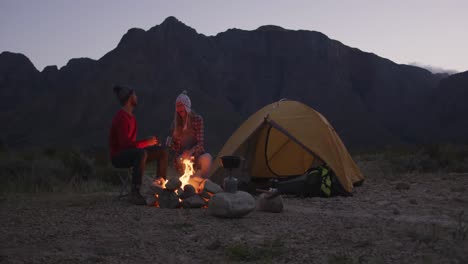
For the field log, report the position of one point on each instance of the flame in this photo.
(163, 183)
(160, 182)
(157, 201)
(188, 172)
(184, 179)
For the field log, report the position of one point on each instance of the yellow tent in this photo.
(285, 139)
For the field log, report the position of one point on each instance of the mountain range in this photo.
(371, 101)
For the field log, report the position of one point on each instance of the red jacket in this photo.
(123, 132)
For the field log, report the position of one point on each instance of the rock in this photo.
(382, 203)
(179, 192)
(168, 199)
(205, 195)
(193, 237)
(212, 187)
(189, 190)
(214, 245)
(273, 205)
(149, 188)
(193, 201)
(197, 183)
(150, 200)
(173, 184)
(395, 209)
(155, 189)
(402, 186)
(231, 205)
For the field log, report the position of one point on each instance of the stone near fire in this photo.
(188, 191)
(150, 200)
(173, 184)
(179, 191)
(205, 195)
(155, 189)
(149, 188)
(212, 187)
(231, 205)
(168, 199)
(193, 201)
(272, 205)
(197, 183)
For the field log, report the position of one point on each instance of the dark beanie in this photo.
(122, 93)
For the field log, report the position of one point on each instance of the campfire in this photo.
(187, 191)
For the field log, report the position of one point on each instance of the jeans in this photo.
(137, 159)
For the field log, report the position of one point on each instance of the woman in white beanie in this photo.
(188, 137)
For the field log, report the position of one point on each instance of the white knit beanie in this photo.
(185, 100)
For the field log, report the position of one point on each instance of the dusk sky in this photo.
(51, 32)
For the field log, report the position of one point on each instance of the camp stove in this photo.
(230, 163)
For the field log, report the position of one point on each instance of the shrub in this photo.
(51, 170)
(80, 166)
(431, 158)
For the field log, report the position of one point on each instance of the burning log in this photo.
(188, 190)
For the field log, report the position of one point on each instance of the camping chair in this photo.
(125, 176)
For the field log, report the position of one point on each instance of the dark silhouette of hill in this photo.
(371, 101)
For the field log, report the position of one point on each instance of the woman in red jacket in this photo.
(126, 151)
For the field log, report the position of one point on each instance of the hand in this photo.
(184, 155)
(169, 141)
(152, 141)
(187, 154)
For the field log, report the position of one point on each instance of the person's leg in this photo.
(161, 156)
(135, 158)
(178, 166)
(204, 164)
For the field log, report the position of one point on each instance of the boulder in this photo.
(193, 201)
(231, 205)
(272, 205)
(212, 187)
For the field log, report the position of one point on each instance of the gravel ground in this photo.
(408, 218)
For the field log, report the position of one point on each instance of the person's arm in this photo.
(175, 142)
(146, 142)
(124, 138)
(199, 129)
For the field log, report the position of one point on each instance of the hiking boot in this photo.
(136, 198)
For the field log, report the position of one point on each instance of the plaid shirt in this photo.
(196, 134)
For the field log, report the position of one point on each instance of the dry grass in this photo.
(50, 170)
(264, 252)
